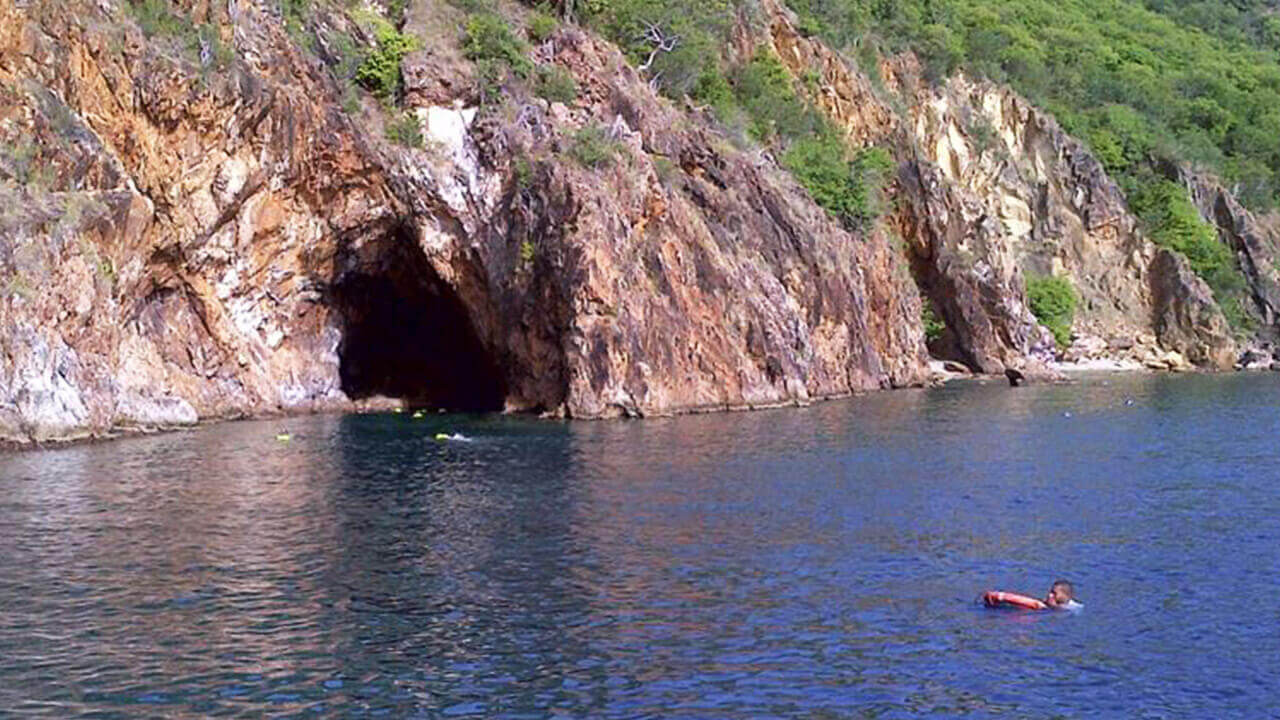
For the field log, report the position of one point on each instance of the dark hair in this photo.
(1063, 583)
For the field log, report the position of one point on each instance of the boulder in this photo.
(1255, 359)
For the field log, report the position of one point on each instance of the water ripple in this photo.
(815, 563)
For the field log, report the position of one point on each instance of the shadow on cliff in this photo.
(406, 334)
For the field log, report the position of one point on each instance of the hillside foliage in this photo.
(1191, 80)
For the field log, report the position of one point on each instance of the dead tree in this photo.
(659, 42)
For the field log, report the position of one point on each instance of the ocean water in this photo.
(802, 563)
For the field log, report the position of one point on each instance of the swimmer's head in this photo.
(1060, 594)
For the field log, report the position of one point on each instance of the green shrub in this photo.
(1174, 223)
(522, 172)
(396, 10)
(297, 17)
(489, 39)
(702, 26)
(712, 89)
(405, 130)
(555, 84)
(852, 191)
(819, 164)
(666, 170)
(156, 17)
(541, 27)
(934, 327)
(379, 71)
(592, 147)
(379, 68)
(1236, 312)
(870, 172)
(19, 160)
(808, 26)
(1053, 302)
(765, 91)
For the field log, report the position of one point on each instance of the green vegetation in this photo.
(1176, 224)
(156, 17)
(765, 91)
(297, 15)
(405, 130)
(677, 45)
(379, 71)
(541, 26)
(674, 42)
(934, 327)
(523, 172)
(18, 161)
(159, 19)
(489, 42)
(555, 84)
(591, 147)
(1166, 210)
(1053, 302)
(220, 55)
(850, 188)
(1191, 80)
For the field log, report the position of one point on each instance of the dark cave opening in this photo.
(407, 335)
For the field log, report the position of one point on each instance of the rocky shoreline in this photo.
(939, 375)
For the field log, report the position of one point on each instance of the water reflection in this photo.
(792, 563)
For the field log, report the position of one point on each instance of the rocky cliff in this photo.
(991, 190)
(1254, 240)
(200, 217)
(203, 227)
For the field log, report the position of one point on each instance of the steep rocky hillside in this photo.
(208, 228)
(217, 210)
(991, 191)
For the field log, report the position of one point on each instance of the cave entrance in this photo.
(407, 335)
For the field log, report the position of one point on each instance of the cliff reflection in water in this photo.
(789, 563)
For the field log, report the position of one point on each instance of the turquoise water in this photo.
(805, 563)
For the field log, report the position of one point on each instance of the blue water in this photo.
(803, 563)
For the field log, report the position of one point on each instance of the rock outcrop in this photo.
(1187, 319)
(209, 233)
(1254, 240)
(991, 190)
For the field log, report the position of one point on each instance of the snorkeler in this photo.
(1061, 597)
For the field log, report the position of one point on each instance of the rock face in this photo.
(208, 224)
(991, 190)
(1187, 319)
(215, 237)
(1255, 241)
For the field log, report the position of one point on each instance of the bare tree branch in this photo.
(659, 42)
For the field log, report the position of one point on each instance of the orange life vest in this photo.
(997, 598)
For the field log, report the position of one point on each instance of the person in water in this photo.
(1061, 597)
